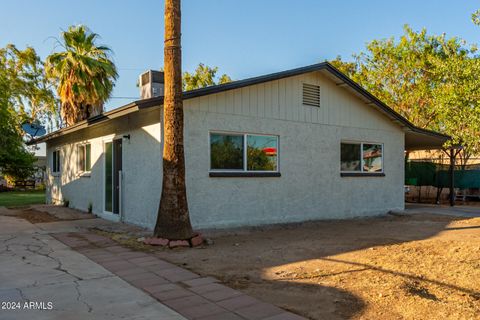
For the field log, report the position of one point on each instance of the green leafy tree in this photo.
(25, 96)
(25, 88)
(259, 160)
(227, 154)
(203, 76)
(476, 17)
(16, 162)
(431, 80)
(84, 74)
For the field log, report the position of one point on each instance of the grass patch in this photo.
(21, 198)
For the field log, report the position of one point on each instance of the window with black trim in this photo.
(242, 152)
(84, 157)
(56, 161)
(361, 157)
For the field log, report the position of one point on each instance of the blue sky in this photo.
(243, 38)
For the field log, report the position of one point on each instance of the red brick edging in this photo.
(189, 294)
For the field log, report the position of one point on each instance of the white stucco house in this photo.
(303, 144)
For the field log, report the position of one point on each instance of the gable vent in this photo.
(311, 95)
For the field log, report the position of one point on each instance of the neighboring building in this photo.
(303, 144)
(441, 157)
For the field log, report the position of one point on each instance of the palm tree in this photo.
(173, 221)
(84, 74)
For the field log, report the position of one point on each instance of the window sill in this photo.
(56, 174)
(362, 174)
(244, 174)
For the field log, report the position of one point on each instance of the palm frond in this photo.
(84, 73)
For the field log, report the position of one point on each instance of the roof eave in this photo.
(158, 101)
(118, 112)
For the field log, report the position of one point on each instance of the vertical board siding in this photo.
(261, 100)
(221, 103)
(212, 103)
(230, 103)
(203, 103)
(245, 101)
(282, 99)
(282, 107)
(238, 101)
(253, 101)
(290, 100)
(275, 97)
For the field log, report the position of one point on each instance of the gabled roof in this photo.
(428, 139)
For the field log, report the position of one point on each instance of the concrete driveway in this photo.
(459, 210)
(41, 278)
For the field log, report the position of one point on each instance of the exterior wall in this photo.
(142, 168)
(141, 173)
(69, 184)
(310, 186)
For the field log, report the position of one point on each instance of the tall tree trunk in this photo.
(173, 221)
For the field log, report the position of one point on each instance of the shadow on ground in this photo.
(419, 266)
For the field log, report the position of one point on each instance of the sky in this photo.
(243, 38)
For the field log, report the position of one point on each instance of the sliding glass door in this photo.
(109, 177)
(113, 170)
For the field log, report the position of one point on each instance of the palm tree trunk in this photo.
(173, 220)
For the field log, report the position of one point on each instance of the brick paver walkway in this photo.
(191, 295)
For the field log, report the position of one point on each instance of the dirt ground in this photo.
(395, 267)
(31, 215)
(45, 213)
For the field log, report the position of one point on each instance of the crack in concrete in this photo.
(22, 295)
(61, 269)
(45, 251)
(7, 246)
(47, 254)
(37, 284)
(42, 250)
(79, 296)
(102, 277)
(8, 239)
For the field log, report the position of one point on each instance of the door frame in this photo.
(117, 176)
(107, 214)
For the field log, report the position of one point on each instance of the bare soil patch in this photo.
(45, 213)
(395, 267)
(125, 240)
(63, 213)
(34, 216)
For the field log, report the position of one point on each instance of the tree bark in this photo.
(173, 220)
